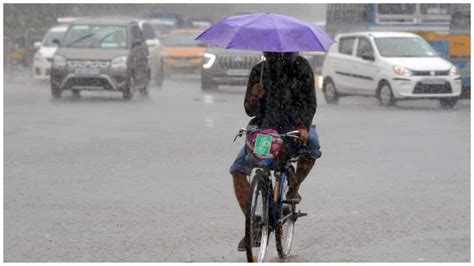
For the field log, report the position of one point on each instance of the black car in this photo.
(227, 67)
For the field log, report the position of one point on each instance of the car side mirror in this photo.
(56, 41)
(37, 45)
(368, 56)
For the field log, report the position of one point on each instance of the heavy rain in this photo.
(120, 125)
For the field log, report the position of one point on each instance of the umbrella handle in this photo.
(261, 74)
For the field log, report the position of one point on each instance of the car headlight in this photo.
(319, 81)
(119, 62)
(59, 61)
(402, 71)
(209, 60)
(454, 71)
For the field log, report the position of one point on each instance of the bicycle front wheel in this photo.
(284, 232)
(256, 221)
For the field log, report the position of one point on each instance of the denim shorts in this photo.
(312, 150)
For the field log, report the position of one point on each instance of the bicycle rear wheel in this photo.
(256, 221)
(284, 233)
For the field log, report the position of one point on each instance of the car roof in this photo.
(379, 34)
(59, 28)
(104, 21)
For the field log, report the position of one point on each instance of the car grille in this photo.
(88, 63)
(88, 82)
(421, 73)
(236, 61)
(430, 73)
(442, 73)
(421, 88)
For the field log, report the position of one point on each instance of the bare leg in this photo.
(241, 187)
(305, 164)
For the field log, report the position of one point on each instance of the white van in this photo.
(391, 66)
(46, 49)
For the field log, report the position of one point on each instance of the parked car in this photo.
(181, 52)
(46, 49)
(391, 66)
(154, 52)
(101, 54)
(227, 67)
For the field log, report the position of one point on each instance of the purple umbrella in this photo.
(266, 32)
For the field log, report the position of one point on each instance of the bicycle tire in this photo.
(258, 194)
(284, 234)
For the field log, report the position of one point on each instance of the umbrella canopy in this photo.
(266, 32)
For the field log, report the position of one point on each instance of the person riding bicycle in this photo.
(283, 98)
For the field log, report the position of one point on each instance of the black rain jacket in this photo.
(289, 101)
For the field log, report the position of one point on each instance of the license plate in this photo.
(87, 71)
(433, 81)
(263, 143)
(238, 72)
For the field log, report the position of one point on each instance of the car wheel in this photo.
(144, 91)
(208, 85)
(330, 93)
(76, 94)
(448, 103)
(55, 91)
(385, 94)
(127, 92)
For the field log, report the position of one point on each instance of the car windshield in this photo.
(50, 36)
(96, 36)
(181, 39)
(404, 47)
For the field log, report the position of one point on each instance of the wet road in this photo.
(102, 179)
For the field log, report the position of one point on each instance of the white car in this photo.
(46, 49)
(391, 66)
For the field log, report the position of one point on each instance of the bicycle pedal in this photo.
(301, 214)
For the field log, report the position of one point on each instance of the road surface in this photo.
(106, 180)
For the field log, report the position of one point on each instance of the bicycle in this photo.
(267, 210)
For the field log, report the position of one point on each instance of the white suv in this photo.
(391, 66)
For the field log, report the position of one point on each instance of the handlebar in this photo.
(292, 134)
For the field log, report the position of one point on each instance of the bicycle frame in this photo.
(274, 199)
